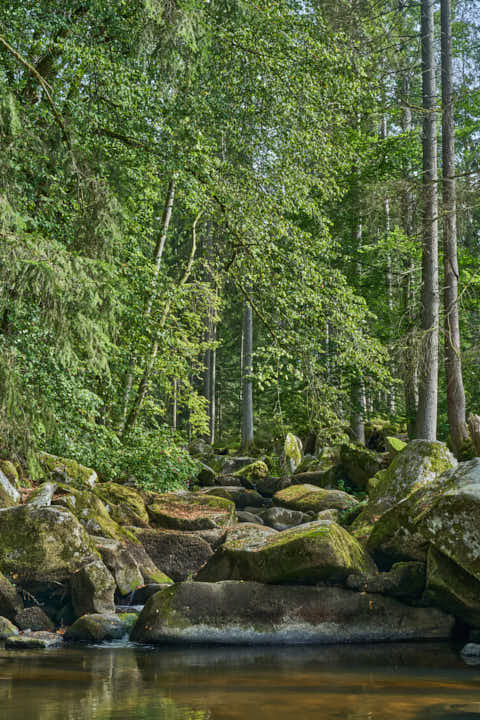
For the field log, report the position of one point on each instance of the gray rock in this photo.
(34, 618)
(283, 518)
(471, 650)
(9, 495)
(452, 589)
(242, 497)
(42, 496)
(141, 595)
(93, 589)
(121, 564)
(206, 477)
(178, 554)
(405, 581)
(310, 497)
(34, 641)
(269, 485)
(230, 465)
(253, 613)
(248, 517)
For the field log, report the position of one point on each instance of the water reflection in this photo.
(381, 682)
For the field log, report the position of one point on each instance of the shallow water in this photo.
(380, 682)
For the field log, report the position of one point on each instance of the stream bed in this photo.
(123, 681)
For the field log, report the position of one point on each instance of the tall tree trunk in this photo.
(157, 258)
(428, 390)
(174, 403)
(453, 362)
(357, 392)
(147, 373)
(388, 274)
(410, 369)
(247, 390)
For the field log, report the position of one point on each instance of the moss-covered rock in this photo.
(10, 601)
(96, 627)
(43, 495)
(7, 628)
(310, 497)
(449, 520)
(91, 512)
(10, 472)
(419, 465)
(34, 618)
(359, 464)
(121, 564)
(250, 474)
(67, 471)
(191, 511)
(127, 505)
(324, 478)
(316, 551)
(452, 589)
(249, 613)
(394, 445)
(9, 495)
(178, 554)
(207, 476)
(93, 589)
(34, 641)
(42, 544)
(280, 518)
(292, 452)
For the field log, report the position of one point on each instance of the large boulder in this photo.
(247, 612)
(207, 476)
(10, 601)
(121, 564)
(242, 497)
(34, 641)
(230, 465)
(405, 580)
(42, 544)
(269, 485)
(359, 464)
(43, 495)
(321, 478)
(419, 465)
(7, 628)
(191, 511)
(179, 555)
(93, 589)
(250, 474)
(67, 471)
(126, 503)
(452, 589)
(310, 497)
(90, 511)
(309, 553)
(450, 520)
(34, 618)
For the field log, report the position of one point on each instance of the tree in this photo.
(453, 362)
(428, 386)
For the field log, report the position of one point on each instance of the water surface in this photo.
(379, 682)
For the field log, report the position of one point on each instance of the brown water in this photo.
(381, 682)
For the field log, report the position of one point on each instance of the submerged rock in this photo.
(34, 641)
(309, 553)
(97, 627)
(191, 511)
(253, 613)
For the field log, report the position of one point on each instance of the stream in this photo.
(122, 681)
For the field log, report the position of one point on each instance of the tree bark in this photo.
(247, 390)
(428, 389)
(453, 362)
(410, 365)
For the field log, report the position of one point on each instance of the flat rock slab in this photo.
(310, 497)
(238, 613)
(191, 511)
(34, 641)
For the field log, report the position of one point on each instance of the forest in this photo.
(234, 219)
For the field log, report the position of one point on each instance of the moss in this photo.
(310, 497)
(254, 471)
(128, 499)
(69, 470)
(292, 451)
(10, 472)
(191, 511)
(394, 444)
(91, 512)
